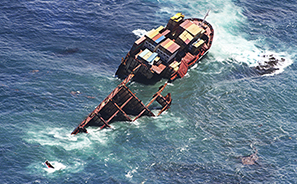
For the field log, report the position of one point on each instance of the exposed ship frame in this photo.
(120, 105)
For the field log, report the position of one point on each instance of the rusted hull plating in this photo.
(119, 105)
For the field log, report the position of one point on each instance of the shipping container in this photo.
(152, 33)
(188, 25)
(166, 32)
(168, 44)
(160, 28)
(160, 39)
(156, 37)
(143, 53)
(152, 57)
(198, 43)
(184, 23)
(145, 57)
(157, 60)
(165, 42)
(158, 69)
(173, 48)
(194, 30)
(140, 40)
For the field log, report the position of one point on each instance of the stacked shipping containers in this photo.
(153, 38)
(174, 21)
(159, 48)
(189, 33)
(167, 49)
(148, 57)
(196, 46)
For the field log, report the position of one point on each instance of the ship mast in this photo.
(207, 13)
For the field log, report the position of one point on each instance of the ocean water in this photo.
(57, 62)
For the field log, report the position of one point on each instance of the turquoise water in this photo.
(57, 62)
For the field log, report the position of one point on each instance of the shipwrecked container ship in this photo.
(168, 52)
(165, 52)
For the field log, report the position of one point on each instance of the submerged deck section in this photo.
(120, 105)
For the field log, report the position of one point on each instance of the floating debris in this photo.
(34, 71)
(251, 159)
(49, 165)
(67, 51)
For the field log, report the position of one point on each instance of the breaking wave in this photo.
(230, 42)
(139, 32)
(57, 167)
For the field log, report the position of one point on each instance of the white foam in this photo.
(57, 167)
(224, 16)
(62, 138)
(100, 135)
(130, 173)
(280, 65)
(136, 123)
(227, 45)
(170, 84)
(229, 41)
(139, 32)
(166, 120)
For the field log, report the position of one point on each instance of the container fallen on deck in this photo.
(120, 105)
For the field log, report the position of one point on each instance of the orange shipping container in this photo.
(157, 36)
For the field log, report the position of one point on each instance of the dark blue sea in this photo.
(58, 61)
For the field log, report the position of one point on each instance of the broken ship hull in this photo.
(122, 105)
(162, 53)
